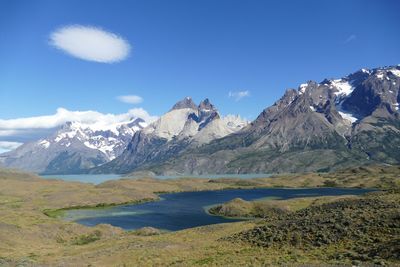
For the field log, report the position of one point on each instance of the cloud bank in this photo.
(32, 128)
(7, 146)
(239, 95)
(130, 99)
(90, 43)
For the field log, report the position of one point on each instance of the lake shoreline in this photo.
(130, 216)
(53, 213)
(243, 183)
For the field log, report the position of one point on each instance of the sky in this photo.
(141, 57)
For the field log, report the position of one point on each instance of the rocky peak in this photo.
(379, 88)
(207, 113)
(136, 122)
(66, 126)
(288, 97)
(359, 76)
(187, 102)
(206, 105)
(267, 114)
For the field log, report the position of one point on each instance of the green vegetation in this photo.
(86, 239)
(365, 229)
(269, 208)
(54, 213)
(241, 208)
(147, 231)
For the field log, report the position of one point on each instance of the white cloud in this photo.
(90, 43)
(239, 95)
(7, 146)
(130, 99)
(350, 38)
(18, 129)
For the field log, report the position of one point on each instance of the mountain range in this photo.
(185, 127)
(320, 126)
(73, 147)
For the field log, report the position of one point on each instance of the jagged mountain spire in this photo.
(187, 102)
(206, 105)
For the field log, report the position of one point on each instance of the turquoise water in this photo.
(84, 178)
(100, 178)
(188, 209)
(216, 176)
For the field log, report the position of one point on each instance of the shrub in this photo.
(86, 239)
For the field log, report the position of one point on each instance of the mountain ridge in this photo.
(322, 126)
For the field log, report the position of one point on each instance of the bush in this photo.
(86, 239)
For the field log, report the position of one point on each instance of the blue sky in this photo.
(202, 49)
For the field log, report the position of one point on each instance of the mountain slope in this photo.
(73, 148)
(321, 126)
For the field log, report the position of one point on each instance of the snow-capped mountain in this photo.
(185, 126)
(333, 124)
(74, 147)
(111, 141)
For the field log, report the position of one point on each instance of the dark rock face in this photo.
(74, 162)
(378, 89)
(206, 105)
(141, 149)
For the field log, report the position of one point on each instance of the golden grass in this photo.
(28, 235)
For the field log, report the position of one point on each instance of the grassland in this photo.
(269, 207)
(30, 237)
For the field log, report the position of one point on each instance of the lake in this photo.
(100, 178)
(84, 178)
(178, 211)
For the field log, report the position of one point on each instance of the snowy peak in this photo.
(234, 122)
(342, 87)
(355, 96)
(111, 141)
(385, 73)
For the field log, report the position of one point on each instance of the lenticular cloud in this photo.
(90, 43)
